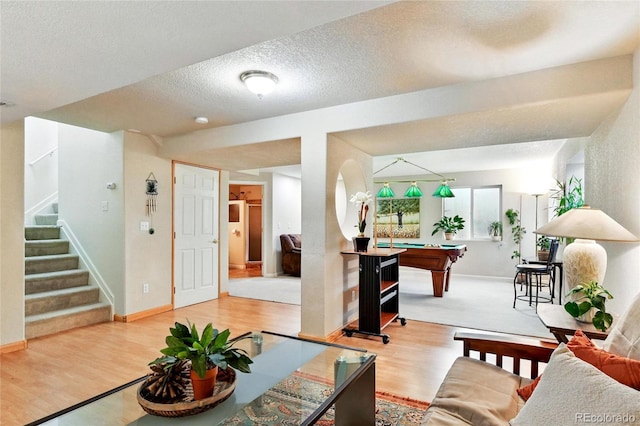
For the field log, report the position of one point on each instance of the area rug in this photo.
(283, 289)
(482, 303)
(284, 405)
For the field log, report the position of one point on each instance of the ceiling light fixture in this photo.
(413, 191)
(259, 82)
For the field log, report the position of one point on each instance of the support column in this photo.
(325, 278)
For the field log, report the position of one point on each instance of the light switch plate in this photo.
(144, 226)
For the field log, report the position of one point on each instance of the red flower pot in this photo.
(203, 387)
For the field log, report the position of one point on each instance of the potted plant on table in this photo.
(362, 201)
(588, 304)
(495, 230)
(449, 225)
(207, 352)
(544, 244)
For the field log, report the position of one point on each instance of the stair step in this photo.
(57, 300)
(66, 319)
(57, 280)
(43, 232)
(46, 247)
(46, 219)
(56, 262)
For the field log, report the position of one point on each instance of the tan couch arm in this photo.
(518, 348)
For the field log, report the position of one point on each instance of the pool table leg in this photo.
(438, 278)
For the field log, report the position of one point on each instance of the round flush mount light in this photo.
(201, 120)
(259, 82)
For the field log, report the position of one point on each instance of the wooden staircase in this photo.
(58, 295)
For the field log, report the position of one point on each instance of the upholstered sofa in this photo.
(582, 382)
(291, 253)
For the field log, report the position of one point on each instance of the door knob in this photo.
(214, 241)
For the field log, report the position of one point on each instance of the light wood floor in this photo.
(61, 370)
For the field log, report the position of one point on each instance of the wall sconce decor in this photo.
(414, 191)
(152, 194)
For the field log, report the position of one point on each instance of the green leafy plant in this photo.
(516, 230)
(495, 229)
(587, 296)
(568, 196)
(448, 225)
(205, 351)
(543, 243)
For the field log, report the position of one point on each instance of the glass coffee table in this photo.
(299, 379)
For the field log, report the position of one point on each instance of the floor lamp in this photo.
(584, 260)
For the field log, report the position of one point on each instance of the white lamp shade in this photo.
(587, 223)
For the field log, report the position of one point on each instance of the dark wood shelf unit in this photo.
(379, 293)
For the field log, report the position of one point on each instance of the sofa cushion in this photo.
(624, 370)
(572, 391)
(475, 392)
(624, 336)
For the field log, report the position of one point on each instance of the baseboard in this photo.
(13, 347)
(224, 294)
(143, 314)
(234, 266)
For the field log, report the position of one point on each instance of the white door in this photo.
(196, 208)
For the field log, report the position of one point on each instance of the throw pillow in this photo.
(624, 336)
(526, 391)
(624, 370)
(572, 391)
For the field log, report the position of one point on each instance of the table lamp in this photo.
(584, 260)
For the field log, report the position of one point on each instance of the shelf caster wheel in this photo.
(385, 339)
(403, 321)
(349, 333)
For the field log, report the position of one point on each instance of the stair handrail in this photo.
(49, 152)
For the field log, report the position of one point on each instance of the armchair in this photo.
(291, 253)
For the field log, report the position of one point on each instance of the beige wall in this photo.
(11, 233)
(612, 183)
(147, 257)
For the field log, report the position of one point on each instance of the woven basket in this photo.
(225, 385)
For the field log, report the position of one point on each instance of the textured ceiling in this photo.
(154, 66)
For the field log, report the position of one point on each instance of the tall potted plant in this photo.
(449, 225)
(207, 352)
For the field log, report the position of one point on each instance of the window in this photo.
(479, 206)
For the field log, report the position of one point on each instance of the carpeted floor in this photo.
(299, 395)
(471, 302)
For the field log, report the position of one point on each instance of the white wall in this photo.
(286, 213)
(612, 178)
(147, 257)
(88, 161)
(41, 178)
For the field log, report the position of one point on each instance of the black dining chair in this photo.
(536, 270)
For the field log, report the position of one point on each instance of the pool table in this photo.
(435, 258)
